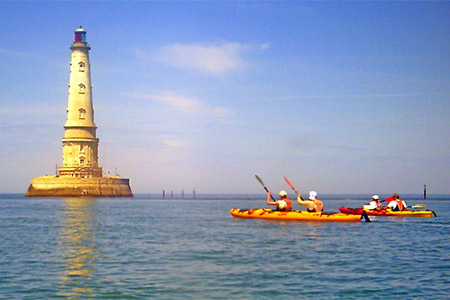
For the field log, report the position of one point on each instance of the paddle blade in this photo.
(419, 206)
(260, 180)
(365, 216)
(262, 183)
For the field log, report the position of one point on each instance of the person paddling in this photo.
(374, 204)
(395, 203)
(284, 204)
(392, 198)
(312, 204)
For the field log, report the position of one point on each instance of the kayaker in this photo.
(392, 198)
(312, 204)
(284, 204)
(397, 204)
(374, 204)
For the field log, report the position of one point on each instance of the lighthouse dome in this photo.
(80, 29)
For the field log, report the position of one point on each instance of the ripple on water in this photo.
(135, 249)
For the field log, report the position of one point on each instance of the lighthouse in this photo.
(80, 174)
(80, 144)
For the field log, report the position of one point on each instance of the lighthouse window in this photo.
(82, 88)
(78, 37)
(82, 66)
(82, 113)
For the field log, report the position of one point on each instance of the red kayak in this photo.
(388, 212)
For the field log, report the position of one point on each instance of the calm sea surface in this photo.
(147, 247)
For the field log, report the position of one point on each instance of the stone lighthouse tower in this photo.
(80, 144)
(80, 174)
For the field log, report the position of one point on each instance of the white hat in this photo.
(282, 193)
(312, 195)
(375, 197)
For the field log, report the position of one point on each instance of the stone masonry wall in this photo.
(54, 186)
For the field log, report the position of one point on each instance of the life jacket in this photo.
(318, 206)
(287, 207)
(289, 204)
(399, 204)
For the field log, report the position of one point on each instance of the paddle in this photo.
(290, 184)
(417, 206)
(262, 183)
(363, 215)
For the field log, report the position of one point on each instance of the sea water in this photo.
(152, 248)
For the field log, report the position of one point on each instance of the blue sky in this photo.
(340, 97)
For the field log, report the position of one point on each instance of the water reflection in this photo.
(78, 245)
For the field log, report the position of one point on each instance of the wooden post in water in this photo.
(164, 194)
(171, 194)
(425, 191)
(182, 193)
(193, 193)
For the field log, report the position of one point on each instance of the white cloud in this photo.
(187, 105)
(216, 60)
(173, 143)
(182, 104)
(213, 59)
(265, 46)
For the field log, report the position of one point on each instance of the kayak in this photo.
(388, 212)
(295, 215)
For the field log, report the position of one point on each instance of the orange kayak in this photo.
(296, 215)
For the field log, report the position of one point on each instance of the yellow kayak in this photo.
(295, 215)
(406, 213)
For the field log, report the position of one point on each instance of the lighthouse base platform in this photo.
(62, 186)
